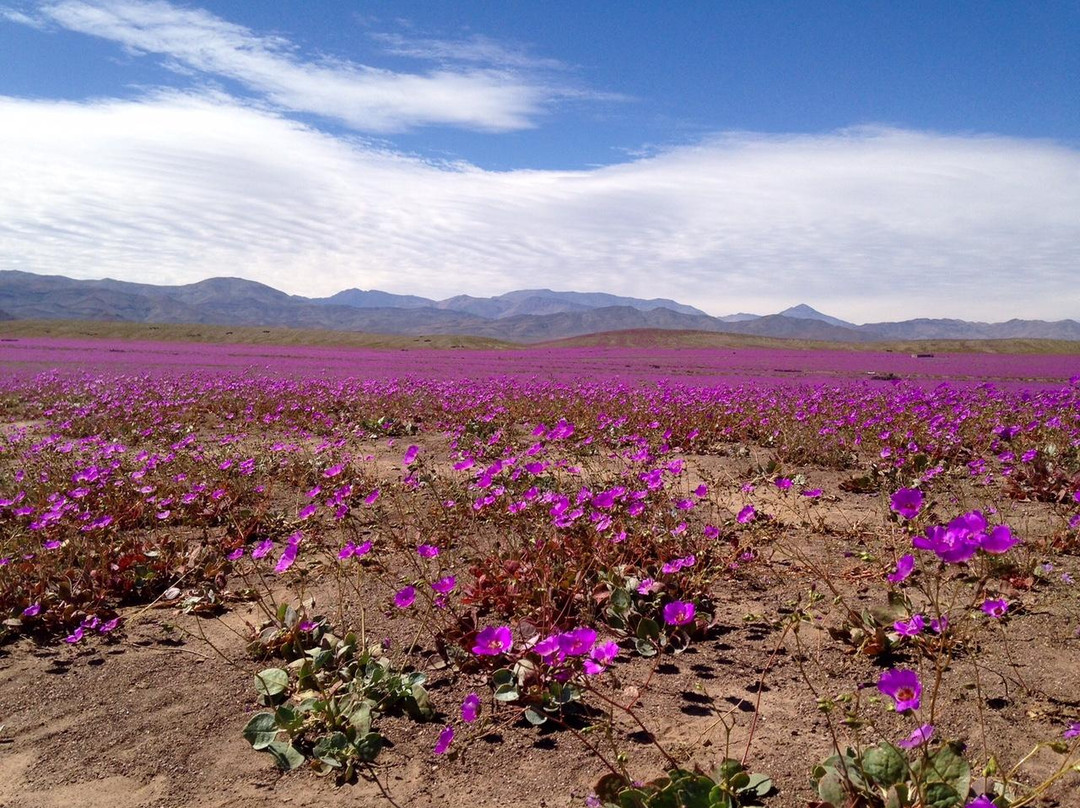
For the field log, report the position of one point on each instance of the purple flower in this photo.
(903, 686)
(917, 738)
(982, 801)
(678, 613)
(783, 483)
(262, 548)
(747, 514)
(32, 611)
(647, 586)
(410, 455)
(236, 554)
(812, 493)
(346, 551)
(907, 502)
(577, 642)
(601, 656)
(912, 627)
(445, 737)
(999, 540)
(904, 568)
(427, 551)
(307, 511)
(493, 640)
(940, 625)
(405, 597)
(74, 636)
(444, 586)
(953, 545)
(1072, 732)
(470, 708)
(111, 625)
(289, 556)
(995, 607)
(370, 498)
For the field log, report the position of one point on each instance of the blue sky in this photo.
(875, 160)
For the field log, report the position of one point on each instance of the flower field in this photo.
(241, 575)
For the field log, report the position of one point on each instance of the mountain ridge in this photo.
(525, 315)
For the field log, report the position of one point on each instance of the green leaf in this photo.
(261, 731)
(885, 765)
(419, 706)
(620, 601)
(368, 746)
(940, 795)
(271, 682)
(331, 749)
(288, 719)
(648, 629)
(534, 718)
(286, 755)
(645, 648)
(503, 676)
(948, 766)
(360, 718)
(831, 789)
(760, 785)
(507, 692)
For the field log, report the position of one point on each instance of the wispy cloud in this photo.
(476, 49)
(486, 97)
(868, 224)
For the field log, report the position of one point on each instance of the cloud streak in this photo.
(870, 224)
(365, 98)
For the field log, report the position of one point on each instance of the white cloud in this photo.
(362, 97)
(869, 224)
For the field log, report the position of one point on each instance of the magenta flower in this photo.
(493, 640)
(410, 455)
(32, 611)
(812, 493)
(110, 625)
(939, 626)
(427, 551)
(307, 511)
(347, 551)
(999, 540)
(445, 738)
(912, 627)
(370, 498)
(995, 607)
(982, 801)
(444, 586)
(287, 557)
(405, 597)
(907, 502)
(74, 636)
(678, 613)
(470, 708)
(747, 514)
(918, 737)
(904, 568)
(262, 548)
(236, 554)
(600, 657)
(903, 686)
(577, 642)
(783, 483)
(647, 587)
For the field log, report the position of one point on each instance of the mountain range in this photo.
(528, 315)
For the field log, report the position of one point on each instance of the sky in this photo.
(876, 160)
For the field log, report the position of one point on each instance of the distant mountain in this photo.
(528, 315)
(361, 299)
(804, 312)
